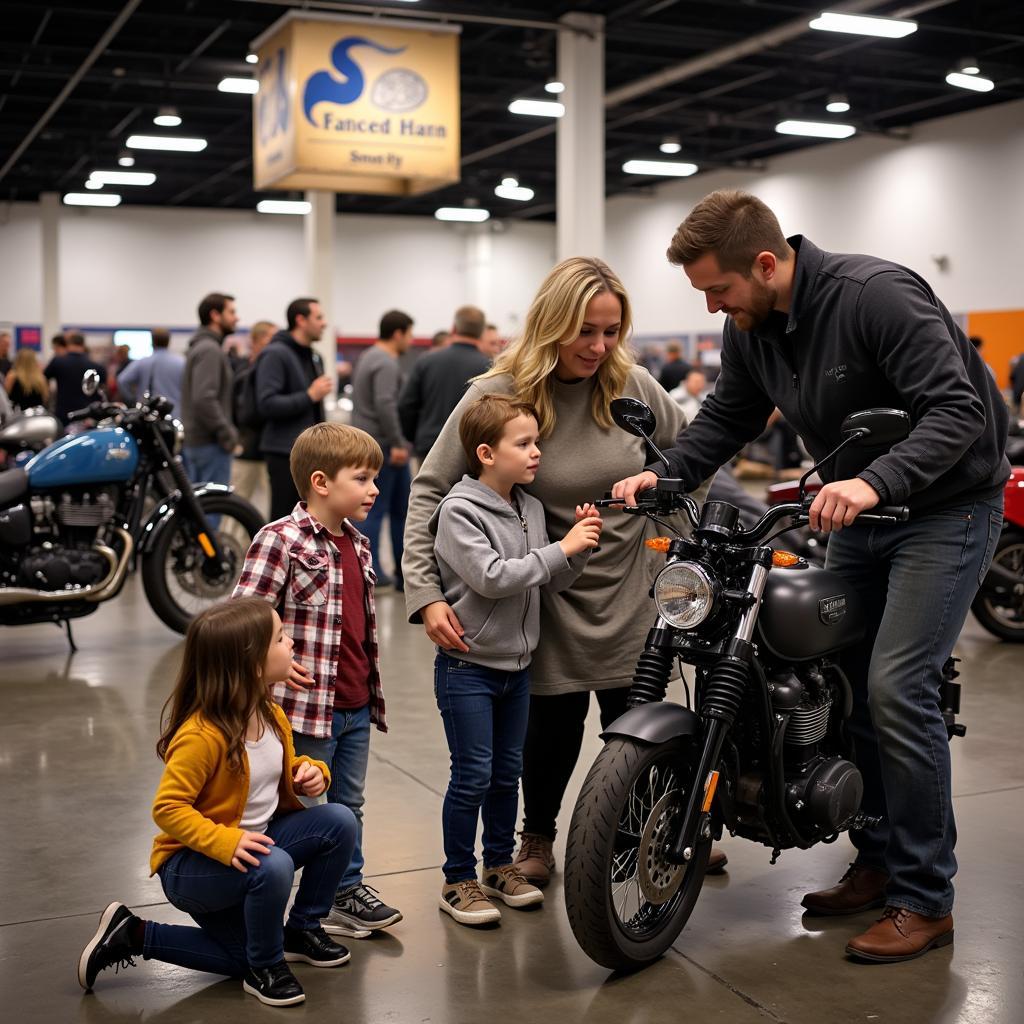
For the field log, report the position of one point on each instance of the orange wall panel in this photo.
(1003, 334)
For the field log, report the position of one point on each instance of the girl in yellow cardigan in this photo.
(233, 829)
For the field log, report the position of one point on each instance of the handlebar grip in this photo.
(898, 512)
(80, 414)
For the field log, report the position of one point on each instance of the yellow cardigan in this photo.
(200, 801)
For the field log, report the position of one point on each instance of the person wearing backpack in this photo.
(249, 472)
(290, 388)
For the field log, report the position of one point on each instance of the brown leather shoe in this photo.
(900, 934)
(535, 858)
(861, 888)
(716, 862)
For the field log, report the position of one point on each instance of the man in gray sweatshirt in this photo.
(206, 394)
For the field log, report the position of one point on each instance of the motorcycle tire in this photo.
(177, 555)
(1000, 620)
(604, 869)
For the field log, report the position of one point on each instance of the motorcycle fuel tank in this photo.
(106, 455)
(807, 612)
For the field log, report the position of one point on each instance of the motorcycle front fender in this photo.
(162, 516)
(654, 723)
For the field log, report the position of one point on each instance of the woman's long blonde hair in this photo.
(27, 372)
(555, 319)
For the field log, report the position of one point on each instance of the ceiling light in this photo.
(837, 104)
(92, 184)
(167, 117)
(246, 85)
(96, 199)
(462, 213)
(660, 168)
(126, 159)
(969, 67)
(513, 191)
(251, 58)
(863, 25)
(298, 207)
(670, 144)
(169, 143)
(816, 129)
(537, 108)
(510, 181)
(554, 85)
(123, 177)
(965, 81)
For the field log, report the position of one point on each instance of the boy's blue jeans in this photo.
(916, 581)
(239, 914)
(346, 752)
(485, 712)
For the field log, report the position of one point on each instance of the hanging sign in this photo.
(356, 105)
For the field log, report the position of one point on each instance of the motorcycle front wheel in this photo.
(175, 574)
(1004, 619)
(626, 903)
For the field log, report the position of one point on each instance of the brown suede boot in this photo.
(900, 934)
(716, 862)
(861, 888)
(535, 858)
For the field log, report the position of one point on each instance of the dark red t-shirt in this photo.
(352, 687)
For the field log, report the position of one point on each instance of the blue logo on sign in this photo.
(323, 87)
(272, 101)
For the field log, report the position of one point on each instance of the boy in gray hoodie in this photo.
(494, 556)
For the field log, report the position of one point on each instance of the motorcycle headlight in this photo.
(684, 594)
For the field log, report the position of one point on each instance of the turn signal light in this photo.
(784, 559)
(661, 544)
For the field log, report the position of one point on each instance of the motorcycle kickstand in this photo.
(70, 635)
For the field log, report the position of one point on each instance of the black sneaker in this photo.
(111, 944)
(274, 985)
(313, 947)
(359, 908)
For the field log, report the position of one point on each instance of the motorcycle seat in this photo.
(13, 484)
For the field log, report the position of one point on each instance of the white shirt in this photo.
(266, 762)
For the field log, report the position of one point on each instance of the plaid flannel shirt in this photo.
(294, 564)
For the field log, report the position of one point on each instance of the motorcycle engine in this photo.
(57, 568)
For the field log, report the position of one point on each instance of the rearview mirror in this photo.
(634, 417)
(876, 428)
(90, 382)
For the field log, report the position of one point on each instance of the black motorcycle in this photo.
(763, 755)
(92, 507)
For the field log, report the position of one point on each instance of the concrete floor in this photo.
(78, 772)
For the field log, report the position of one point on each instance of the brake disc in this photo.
(659, 879)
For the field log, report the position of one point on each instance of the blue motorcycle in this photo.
(90, 509)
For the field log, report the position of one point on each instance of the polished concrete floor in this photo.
(78, 771)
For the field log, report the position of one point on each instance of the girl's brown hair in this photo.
(221, 675)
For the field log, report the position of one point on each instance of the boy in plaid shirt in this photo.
(314, 567)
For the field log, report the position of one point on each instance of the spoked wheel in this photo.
(177, 576)
(1002, 614)
(626, 902)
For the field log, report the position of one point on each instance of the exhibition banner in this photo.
(356, 105)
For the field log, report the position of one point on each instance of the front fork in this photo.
(719, 704)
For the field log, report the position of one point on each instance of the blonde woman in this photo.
(26, 386)
(570, 363)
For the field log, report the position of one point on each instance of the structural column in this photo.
(49, 218)
(580, 188)
(319, 238)
(479, 261)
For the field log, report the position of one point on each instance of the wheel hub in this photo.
(658, 878)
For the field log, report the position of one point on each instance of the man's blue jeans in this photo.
(239, 914)
(207, 463)
(916, 581)
(394, 483)
(346, 752)
(485, 712)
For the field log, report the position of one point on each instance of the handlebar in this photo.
(95, 411)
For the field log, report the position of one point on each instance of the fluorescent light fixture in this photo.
(169, 143)
(123, 177)
(167, 117)
(252, 58)
(965, 81)
(671, 145)
(553, 85)
(863, 25)
(516, 191)
(837, 104)
(970, 69)
(124, 160)
(93, 199)
(294, 206)
(537, 108)
(816, 129)
(471, 214)
(510, 181)
(660, 168)
(246, 85)
(93, 185)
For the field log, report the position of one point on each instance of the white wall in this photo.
(954, 189)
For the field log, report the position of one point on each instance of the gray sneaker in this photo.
(359, 911)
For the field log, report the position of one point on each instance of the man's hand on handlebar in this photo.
(628, 489)
(838, 504)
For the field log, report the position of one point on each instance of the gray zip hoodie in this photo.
(493, 560)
